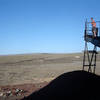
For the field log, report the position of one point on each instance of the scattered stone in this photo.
(8, 93)
(1, 94)
(77, 57)
(18, 91)
(5, 92)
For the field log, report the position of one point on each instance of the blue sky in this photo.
(44, 26)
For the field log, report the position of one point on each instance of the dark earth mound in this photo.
(78, 85)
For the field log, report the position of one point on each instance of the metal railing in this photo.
(88, 28)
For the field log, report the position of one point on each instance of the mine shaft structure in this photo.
(91, 44)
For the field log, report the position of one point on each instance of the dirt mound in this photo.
(78, 85)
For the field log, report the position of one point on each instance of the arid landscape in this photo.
(28, 72)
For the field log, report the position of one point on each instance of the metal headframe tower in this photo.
(90, 55)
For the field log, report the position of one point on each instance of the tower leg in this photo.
(91, 54)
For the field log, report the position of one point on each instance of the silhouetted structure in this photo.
(89, 59)
(76, 85)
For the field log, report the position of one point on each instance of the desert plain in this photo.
(39, 68)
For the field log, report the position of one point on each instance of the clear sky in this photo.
(44, 26)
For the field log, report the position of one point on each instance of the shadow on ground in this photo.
(76, 85)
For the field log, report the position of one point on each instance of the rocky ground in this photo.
(17, 92)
